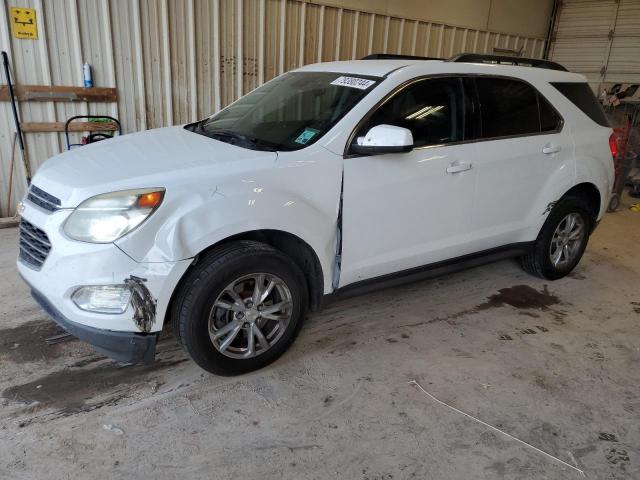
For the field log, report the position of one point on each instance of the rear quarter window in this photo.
(581, 95)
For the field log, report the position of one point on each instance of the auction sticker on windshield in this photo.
(353, 82)
(307, 135)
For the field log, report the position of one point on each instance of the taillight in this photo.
(613, 145)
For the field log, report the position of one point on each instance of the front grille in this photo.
(34, 245)
(43, 199)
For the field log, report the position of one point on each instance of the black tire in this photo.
(208, 278)
(537, 261)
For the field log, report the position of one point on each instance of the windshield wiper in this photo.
(235, 138)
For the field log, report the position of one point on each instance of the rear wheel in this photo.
(562, 240)
(240, 307)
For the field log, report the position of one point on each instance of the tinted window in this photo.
(507, 107)
(582, 97)
(549, 118)
(431, 109)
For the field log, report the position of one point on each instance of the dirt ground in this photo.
(553, 364)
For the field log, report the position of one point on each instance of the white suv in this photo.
(325, 179)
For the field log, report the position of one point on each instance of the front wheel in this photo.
(240, 307)
(562, 240)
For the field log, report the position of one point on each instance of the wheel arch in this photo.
(291, 245)
(591, 194)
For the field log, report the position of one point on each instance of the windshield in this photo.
(290, 112)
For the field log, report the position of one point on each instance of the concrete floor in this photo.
(553, 364)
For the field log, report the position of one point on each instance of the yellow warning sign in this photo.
(23, 23)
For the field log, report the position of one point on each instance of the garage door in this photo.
(600, 39)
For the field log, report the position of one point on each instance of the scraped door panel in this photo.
(514, 177)
(517, 175)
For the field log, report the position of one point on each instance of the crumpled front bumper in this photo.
(129, 336)
(128, 347)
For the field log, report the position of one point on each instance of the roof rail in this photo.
(393, 56)
(505, 59)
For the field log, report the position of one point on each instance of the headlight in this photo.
(105, 218)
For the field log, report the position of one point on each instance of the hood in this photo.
(153, 158)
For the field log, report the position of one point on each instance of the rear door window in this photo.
(507, 107)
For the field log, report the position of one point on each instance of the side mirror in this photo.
(384, 139)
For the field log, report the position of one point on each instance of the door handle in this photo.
(457, 167)
(550, 149)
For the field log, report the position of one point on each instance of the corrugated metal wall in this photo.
(174, 61)
(600, 39)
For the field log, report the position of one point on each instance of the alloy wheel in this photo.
(567, 240)
(250, 315)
